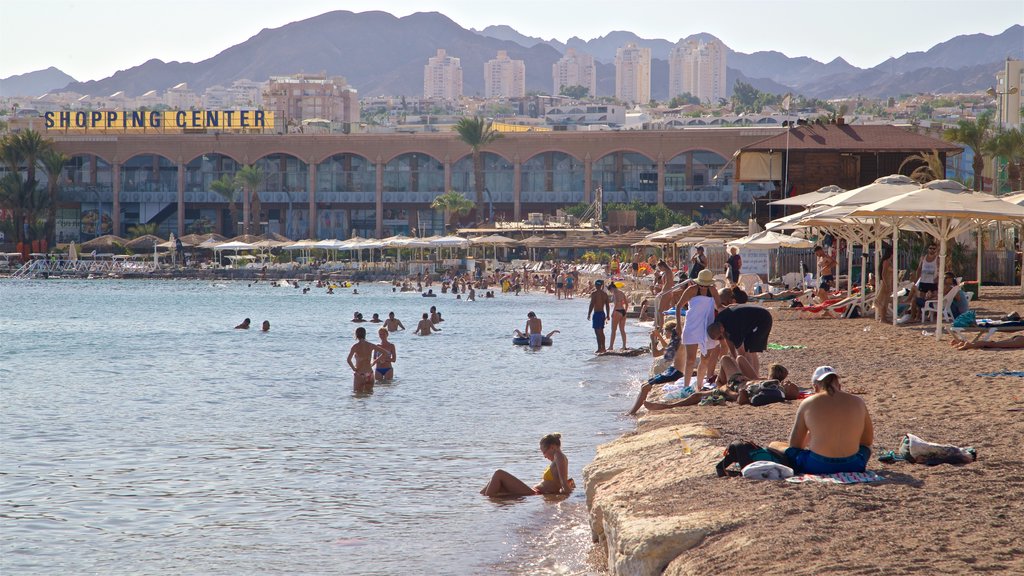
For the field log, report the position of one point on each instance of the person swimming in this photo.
(555, 479)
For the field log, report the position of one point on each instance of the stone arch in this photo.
(626, 175)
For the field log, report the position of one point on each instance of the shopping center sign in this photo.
(158, 121)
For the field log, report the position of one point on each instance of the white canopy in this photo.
(496, 239)
(670, 234)
(233, 246)
(884, 187)
(768, 240)
(450, 242)
(810, 197)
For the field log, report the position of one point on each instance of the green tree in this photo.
(650, 216)
(52, 163)
(227, 188)
(930, 166)
(141, 229)
(974, 135)
(735, 212)
(26, 204)
(575, 92)
(453, 203)
(744, 97)
(249, 179)
(682, 100)
(1009, 144)
(32, 147)
(477, 133)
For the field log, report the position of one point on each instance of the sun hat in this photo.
(822, 372)
(705, 277)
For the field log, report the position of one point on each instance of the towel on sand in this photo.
(767, 470)
(1003, 373)
(839, 478)
(774, 346)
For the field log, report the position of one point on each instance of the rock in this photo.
(626, 485)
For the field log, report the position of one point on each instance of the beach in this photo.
(657, 508)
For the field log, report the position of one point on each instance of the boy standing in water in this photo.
(599, 307)
(362, 351)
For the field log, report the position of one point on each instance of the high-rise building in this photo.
(697, 67)
(306, 96)
(1009, 83)
(180, 97)
(504, 77)
(574, 69)
(442, 77)
(633, 74)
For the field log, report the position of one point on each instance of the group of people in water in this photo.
(245, 325)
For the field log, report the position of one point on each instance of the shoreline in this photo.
(654, 508)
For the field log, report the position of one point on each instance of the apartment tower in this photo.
(442, 77)
(633, 74)
(697, 67)
(574, 69)
(504, 77)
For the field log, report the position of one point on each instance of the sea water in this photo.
(141, 433)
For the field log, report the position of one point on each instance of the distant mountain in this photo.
(34, 83)
(381, 54)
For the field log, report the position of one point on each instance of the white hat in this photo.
(821, 372)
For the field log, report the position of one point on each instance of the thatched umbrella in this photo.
(107, 242)
(197, 239)
(247, 239)
(143, 243)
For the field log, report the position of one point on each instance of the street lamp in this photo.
(999, 103)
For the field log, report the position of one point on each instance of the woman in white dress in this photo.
(702, 298)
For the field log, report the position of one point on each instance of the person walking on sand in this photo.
(832, 431)
(555, 480)
(393, 324)
(733, 265)
(599, 307)
(827, 274)
(362, 366)
(425, 327)
(701, 299)
(385, 369)
(619, 308)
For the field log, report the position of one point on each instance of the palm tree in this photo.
(931, 167)
(1009, 144)
(974, 135)
(10, 153)
(141, 229)
(735, 212)
(452, 203)
(249, 179)
(52, 163)
(227, 188)
(26, 203)
(477, 133)
(32, 146)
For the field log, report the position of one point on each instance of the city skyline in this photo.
(822, 30)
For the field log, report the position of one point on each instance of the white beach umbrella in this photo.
(72, 252)
(944, 209)
(810, 197)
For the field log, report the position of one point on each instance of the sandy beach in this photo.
(657, 508)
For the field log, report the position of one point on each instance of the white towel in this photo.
(766, 470)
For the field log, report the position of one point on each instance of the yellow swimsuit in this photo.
(549, 474)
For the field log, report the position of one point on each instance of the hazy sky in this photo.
(92, 39)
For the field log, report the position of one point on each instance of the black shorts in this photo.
(925, 287)
(757, 340)
(826, 282)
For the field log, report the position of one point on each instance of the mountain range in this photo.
(381, 54)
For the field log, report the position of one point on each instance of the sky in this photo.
(92, 39)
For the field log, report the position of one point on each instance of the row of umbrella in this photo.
(943, 209)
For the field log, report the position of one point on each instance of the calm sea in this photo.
(140, 433)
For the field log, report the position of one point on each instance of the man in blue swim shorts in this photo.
(832, 432)
(600, 305)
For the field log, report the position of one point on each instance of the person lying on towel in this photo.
(832, 432)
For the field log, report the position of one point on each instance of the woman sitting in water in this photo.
(555, 480)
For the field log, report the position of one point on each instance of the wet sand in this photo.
(924, 520)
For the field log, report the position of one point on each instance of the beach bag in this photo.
(743, 452)
(767, 392)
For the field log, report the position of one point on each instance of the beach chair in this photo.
(984, 329)
(931, 307)
(831, 308)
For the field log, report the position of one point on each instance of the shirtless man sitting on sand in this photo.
(832, 432)
(425, 327)
(362, 368)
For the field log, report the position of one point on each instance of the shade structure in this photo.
(329, 244)
(880, 189)
(197, 239)
(495, 239)
(450, 242)
(145, 242)
(105, 242)
(670, 234)
(792, 221)
(944, 209)
(234, 245)
(810, 197)
(1016, 198)
(768, 240)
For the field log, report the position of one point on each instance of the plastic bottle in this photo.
(758, 288)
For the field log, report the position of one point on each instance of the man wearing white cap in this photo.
(833, 430)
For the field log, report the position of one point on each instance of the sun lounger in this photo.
(984, 329)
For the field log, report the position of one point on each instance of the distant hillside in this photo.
(382, 54)
(34, 83)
